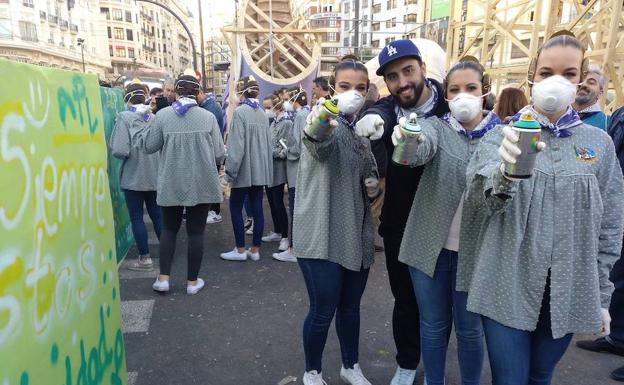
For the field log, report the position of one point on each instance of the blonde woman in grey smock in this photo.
(560, 229)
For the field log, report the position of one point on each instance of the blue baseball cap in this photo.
(396, 50)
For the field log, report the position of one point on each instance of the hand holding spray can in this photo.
(406, 147)
(529, 133)
(319, 126)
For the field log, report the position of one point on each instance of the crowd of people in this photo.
(517, 264)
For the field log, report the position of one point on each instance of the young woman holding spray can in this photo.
(543, 239)
(333, 231)
(430, 246)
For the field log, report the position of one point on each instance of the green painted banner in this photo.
(60, 320)
(112, 103)
(440, 9)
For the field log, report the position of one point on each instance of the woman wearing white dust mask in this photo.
(544, 244)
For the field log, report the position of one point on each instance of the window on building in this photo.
(129, 35)
(347, 7)
(131, 53)
(376, 26)
(164, 48)
(163, 33)
(106, 12)
(329, 51)
(333, 22)
(365, 22)
(410, 2)
(331, 37)
(364, 4)
(165, 61)
(347, 25)
(28, 3)
(391, 4)
(120, 51)
(377, 8)
(128, 16)
(375, 43)
(110, 32)
(117, 14)
(389, 40)
(364, 38)
(28, 31)
(346, 42)
(110, 50)
(410, 18)
(5, 28)
(119, 33)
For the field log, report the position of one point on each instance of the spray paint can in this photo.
(529, 133)
(405, 150)
(320, 128)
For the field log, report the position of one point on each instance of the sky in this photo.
(216, 13)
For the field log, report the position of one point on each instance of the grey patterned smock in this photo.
(250, 149)
(332, 219)
(139, 171)
(294, 146)
(189, 146)
(280, 130)
(567, 218)
(446, 153)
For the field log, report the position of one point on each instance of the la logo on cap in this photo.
(391, 50)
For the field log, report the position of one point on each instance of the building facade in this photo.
(143, 35)
(47, 33)
(326, 15)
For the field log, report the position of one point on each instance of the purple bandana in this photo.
(182, 105)
(490, 121)
(283, 116)
(559, 129)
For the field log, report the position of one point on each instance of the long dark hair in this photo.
(348, 62)
(135, 93)
(187, 86)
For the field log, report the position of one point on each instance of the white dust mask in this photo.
(553, 94)
(465, 107)
(350, 102)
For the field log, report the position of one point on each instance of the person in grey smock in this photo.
(280, 128)
(430, 246)
(249, 167)
(190, 144)
(543, 246)
(138, 173)
(333, 230)
(293, 143)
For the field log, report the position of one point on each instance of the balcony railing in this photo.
(43, 16)
(53, 19)
(64, 25)
(74, 28)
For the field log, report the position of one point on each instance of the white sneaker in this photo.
(285, 256)
(272, 237)
(253, 256)
(313, 378)
(161, 286)
(213, 217)
(234, 255)
(353, 376)
(284, 244)
(193, 289)
(403, 377)
(249, 225)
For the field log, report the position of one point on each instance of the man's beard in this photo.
(418, 89)
(585, 99)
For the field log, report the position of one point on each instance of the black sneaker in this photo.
(600, 345)
(618, 374)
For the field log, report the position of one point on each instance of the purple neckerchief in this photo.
(344, 119)
(561, 129)
(489, 121)
(146, 116)
(253, 103)
(426, 110)
(305, 108)
(283, 116)
(182, 105)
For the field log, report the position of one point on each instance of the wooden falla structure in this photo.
(504, 34)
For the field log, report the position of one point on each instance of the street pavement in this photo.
(244, 327)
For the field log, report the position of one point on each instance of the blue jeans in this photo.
(519, 357)
(616, 308)
(332, 289)
(275, 196)
(439, 305)
(134, 201)
(291, 209)
(237, 199)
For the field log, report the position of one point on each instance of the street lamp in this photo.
(81, 44)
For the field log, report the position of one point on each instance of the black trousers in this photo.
(195, 225)
(405, 317)
(616, 309)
